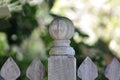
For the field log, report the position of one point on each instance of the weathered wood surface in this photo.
(10, 70)
(113, 70)
(61, 63)
(36, 70)
(87, 70)
(62, 68)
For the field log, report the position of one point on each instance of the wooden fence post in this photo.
(61, 63)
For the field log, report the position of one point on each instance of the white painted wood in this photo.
(61, 63)
(87, 70)
(113, 70)
(10, 70)
(36, 70)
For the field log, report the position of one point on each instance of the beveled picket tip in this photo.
(87, 70)
(36, 70)
(112, 71)
(10, 70)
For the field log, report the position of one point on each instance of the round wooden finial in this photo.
(61, 28)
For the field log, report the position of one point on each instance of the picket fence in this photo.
(61, 63)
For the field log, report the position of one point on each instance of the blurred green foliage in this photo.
(25, 36)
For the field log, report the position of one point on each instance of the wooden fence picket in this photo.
(36, 70)
(113, 70)
(10, 70)
(87, 70)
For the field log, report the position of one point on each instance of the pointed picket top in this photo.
(36, 70)
(87, 70)
(10, 70)
(112, 71)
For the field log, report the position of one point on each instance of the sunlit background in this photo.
(24, 30)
